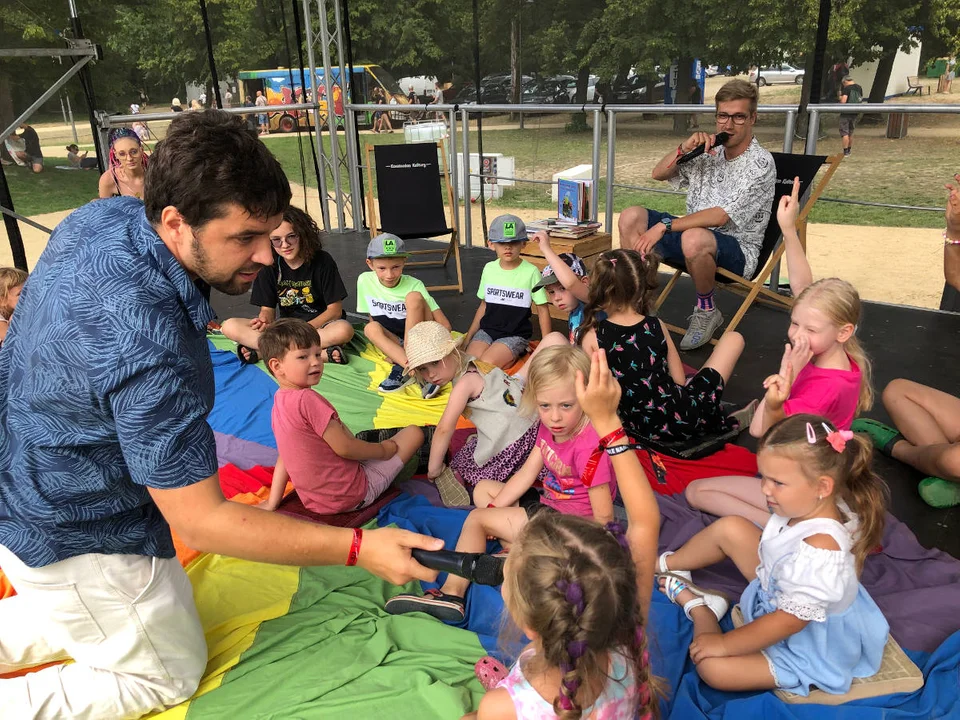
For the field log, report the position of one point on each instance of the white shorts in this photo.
(380, 475)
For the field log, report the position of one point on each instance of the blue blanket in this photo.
(670, 635)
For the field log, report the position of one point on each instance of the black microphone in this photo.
(475, 567)
(700, 149)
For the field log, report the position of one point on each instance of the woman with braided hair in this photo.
(575, 589)
(128, 165)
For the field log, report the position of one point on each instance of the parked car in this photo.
(776, 74)
(591, 89)
(494, 90)
(633, 90)
(547, 90)
(711, 70)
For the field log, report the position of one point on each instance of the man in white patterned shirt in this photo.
(730, 194)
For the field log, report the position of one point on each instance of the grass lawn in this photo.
(910, 171)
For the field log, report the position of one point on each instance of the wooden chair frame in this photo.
(452, 248)
(754, 289)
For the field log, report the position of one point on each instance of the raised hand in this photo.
(797, 355)
(789, 208)
(599, 396)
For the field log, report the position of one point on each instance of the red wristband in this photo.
(355, 547)
(490, 505)
(617, 434)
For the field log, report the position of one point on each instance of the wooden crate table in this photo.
(587, 248)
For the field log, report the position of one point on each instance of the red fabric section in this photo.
(234, 481)
(292, 505)
(670, 476)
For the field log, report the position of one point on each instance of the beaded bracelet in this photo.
(949, 240)
(354, 553)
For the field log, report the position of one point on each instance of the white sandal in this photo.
(662, 569)
(673, 585)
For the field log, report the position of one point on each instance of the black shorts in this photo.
(530, 502)
(847, 124)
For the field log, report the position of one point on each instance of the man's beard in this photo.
(229, 285)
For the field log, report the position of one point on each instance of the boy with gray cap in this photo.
(395, 303)
(501, 330)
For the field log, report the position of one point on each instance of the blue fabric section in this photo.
(670, 635)
(244, 399)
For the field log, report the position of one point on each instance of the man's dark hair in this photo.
(210, 160)
(284, 335)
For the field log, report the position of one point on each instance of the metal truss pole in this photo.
(318, 141)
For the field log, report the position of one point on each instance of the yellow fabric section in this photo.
(234, 597)
(403, 407)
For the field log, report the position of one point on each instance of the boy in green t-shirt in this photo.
(395, 303)
(501, 329)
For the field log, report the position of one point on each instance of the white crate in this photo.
(424, 132)
(580, 172)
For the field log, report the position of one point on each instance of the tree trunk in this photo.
(878, 90)
(682, 93)
(578, 123)
(6, 99)
(514, 64)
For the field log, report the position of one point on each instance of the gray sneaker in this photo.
(703, 324)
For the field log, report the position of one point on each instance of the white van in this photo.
(422, 85)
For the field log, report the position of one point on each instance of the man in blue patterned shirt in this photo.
(105, 386)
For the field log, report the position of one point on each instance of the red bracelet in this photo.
(355, 547)
(618, 434)
(490, 505)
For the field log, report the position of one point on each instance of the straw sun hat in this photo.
(428, 342)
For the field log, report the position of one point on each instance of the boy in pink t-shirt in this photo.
(331, 470)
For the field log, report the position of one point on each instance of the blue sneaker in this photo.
(429, 391)
(396, 380)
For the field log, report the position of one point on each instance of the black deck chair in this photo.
(412, 202)
(789, 166)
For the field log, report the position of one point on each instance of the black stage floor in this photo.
(902, 341)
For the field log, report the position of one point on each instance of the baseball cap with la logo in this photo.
(507, 229)
(386, 245)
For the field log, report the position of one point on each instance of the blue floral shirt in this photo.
(105, 386)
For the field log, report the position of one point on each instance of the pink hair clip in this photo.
(838, 438)
(613, 261)
(811, 435)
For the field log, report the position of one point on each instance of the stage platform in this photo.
(902, 342)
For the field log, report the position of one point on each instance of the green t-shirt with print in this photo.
(509, 295)
(387, 305)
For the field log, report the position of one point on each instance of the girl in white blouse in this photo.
(807, 620)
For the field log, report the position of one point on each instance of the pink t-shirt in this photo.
(325, 482)
(563, 487)
(831, 393)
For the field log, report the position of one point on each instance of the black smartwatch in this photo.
(668, 223)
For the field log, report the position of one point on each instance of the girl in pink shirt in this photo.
(824, 370)
(565, 444)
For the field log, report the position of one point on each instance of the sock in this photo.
(705, 301)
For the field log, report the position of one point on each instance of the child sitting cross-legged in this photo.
(395, 303)
(807, 619)
(564, 445)
(303, 283)
(331, 470)
(501, 329)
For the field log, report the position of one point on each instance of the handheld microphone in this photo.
(476, 567)
(700, 149)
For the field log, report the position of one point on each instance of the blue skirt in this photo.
(827, 654)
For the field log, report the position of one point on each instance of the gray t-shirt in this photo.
(742, 187)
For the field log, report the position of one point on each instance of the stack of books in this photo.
(554, 228)
(573, 201)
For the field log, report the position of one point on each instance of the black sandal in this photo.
(251, 358)
(343, 355)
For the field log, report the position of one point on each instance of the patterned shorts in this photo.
(501, 466)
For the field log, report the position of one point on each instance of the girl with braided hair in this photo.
(128, 165)
(575, 589)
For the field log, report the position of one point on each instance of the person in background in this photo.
(11, 283)
(262, 119)
(79, 159)
(31, 155)
(228, 98)
(850, 94)
(128, 166)
(411, 95)
(176, 106)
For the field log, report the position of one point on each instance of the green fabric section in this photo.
(346, 387)
(336, 654)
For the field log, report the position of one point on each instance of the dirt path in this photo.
(863, 255)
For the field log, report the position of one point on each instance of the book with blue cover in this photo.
(573, 200)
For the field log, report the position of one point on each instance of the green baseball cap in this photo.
(386, 245)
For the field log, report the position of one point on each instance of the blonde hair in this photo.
(463, 362)
(738, 89)
(621, 279)
(10, 278)
(840, 302)
(556, 365)
(574, 583)
(854, 480)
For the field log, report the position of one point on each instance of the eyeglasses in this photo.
(291, 240)
(135, 152)
(738, 119)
